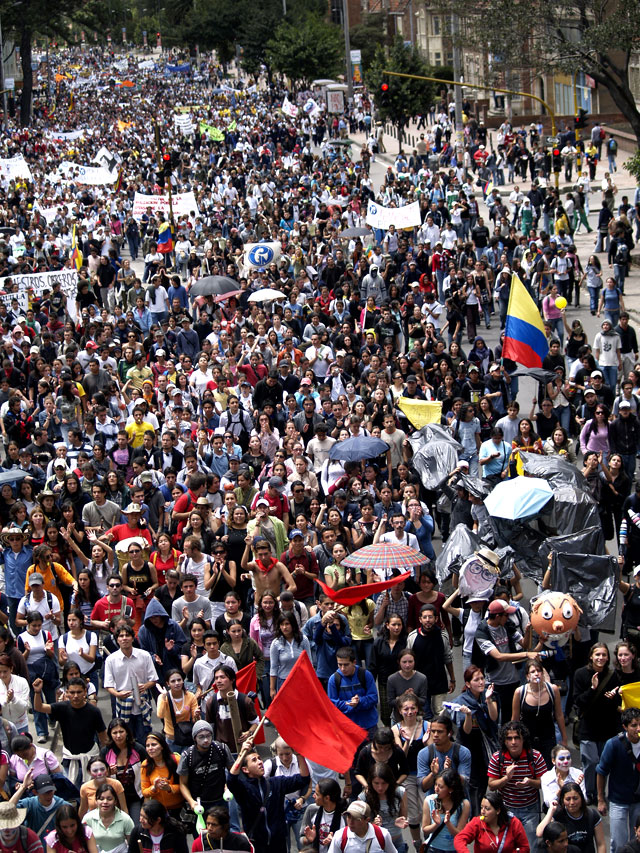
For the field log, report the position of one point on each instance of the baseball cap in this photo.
(596, 373)
(358, 809)
(262, 501)
(589, 391)
(499, 606)
(294, 533)
(305, 381)
(146, 477)
(36, 579)
(91, 345)
(43, 783)
(625, 404)
(160, 352)
(412, 378)
(276, 483)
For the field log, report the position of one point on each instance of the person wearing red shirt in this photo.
(131, 528)
(278, 503)
(493, 829)
(185, 503)
(303, 566)
(112, 604)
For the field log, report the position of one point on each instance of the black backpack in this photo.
(362, 678)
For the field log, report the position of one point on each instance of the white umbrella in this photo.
(266, 295)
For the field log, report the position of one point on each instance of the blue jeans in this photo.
(558, 326)
(622, 821)
(610, 376)
(158, 317)
(472, 459)
(140, 731)
(530, 817)
(612, 162)
(486, 310)
(563, 413)
(612, 316)
(594, 296)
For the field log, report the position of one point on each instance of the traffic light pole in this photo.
(552, 115)
(577, 127)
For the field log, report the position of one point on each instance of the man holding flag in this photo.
(262, 801)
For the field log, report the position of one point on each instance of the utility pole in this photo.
(347, 48)
(2, 86)
(457, 90)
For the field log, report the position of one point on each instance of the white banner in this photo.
(23, 300)
(15, 167)
(184, 204)
(335, 102)
(184, 124)
(259, 255)
(67, 134)
(402, 217)
(49, 213)
(38, 281)
(288, 108)
(311, 108)
(91, 175)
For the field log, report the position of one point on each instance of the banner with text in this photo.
(402, 217)
(90, 175)
(184, 204)
(38, 281)
(15, 167)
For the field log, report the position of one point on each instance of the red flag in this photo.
(247, 682)
(309, 721)
(353, 594)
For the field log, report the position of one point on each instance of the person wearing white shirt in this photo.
(14, 699)
(44, 602)
(360, 834)
(128, 674)
(204, 668)
(319, 355)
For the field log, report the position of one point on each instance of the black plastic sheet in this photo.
(434, 462)
(525, 540)
(588, 541)
(593, 581)
(461, 543)
(572, 510)
(538, 373)
(432, 432)
(475, 486)
(554, 469)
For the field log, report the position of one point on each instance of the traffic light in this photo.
(384, 94)
(557, 160)
(580, 120)
(168, 166)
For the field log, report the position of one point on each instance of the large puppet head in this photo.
(554, 613)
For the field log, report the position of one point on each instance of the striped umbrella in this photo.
(385, 556)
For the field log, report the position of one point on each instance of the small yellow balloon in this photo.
(561, 303)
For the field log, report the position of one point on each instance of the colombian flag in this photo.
(524, 338)
(165, 242)
(76, 254)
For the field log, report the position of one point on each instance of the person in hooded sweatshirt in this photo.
(607, 349)
(162, 638)
(373, 284)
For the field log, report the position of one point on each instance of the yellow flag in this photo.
(420, 412)
(630, 695)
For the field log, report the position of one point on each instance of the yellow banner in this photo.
(630, 695)
(420, 412)
(123, 125)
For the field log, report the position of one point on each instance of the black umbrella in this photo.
(354, 232)
(214, 285)
(537, 373)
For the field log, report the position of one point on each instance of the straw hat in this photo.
(11, 817)
(12, 531)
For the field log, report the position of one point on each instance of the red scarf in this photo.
(264, 569)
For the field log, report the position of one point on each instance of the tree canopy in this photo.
(306, 49)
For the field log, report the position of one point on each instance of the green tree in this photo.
(367, 37)
(255, 33)
(305, 50)
(404, 98)
(577, 35)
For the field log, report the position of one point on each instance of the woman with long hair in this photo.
(286, 647)
(325, 816)
(593, 276)
(387, 800)
(14, 695)
(185, 710)
(537, 703)
(37, 524)
(70, 834)
(194, 646)
(80, 646)
(559, 444)
(157, 830)
(242, 649)
(582, 822)
(263, 631)
(594, 435)
(526, 441)
(111, 826)
(384, 658)
(411, 734)
(233, 612)
(68, 409)
(493, 829)
(597, 700)
(165, 557)
(477, 728)
(625, 660)
(446, 811)
(124, 757)
(8, 647)
(159, 774)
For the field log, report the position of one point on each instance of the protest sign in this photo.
(91, 175)
(37, 282)
(402, 217)
(184, 204)
(15, 167)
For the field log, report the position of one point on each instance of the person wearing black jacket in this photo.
(624, 437)
(269, 388)
(154, 823)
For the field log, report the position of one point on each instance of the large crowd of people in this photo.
(170, 499)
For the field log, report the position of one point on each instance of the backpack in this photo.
(243, 438)
(622, 253)
(362, 678)
(613, 146)
(602, 134)
(455, 755)
(376, 829)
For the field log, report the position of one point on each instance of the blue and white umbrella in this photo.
(519, 498)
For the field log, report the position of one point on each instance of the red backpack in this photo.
(376, 829)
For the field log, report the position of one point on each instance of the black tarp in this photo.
(461, 543)
(593, 581)
(553, 468)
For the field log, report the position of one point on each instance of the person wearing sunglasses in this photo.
(112, 604)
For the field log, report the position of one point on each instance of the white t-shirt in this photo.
(74, 646)
(49, 604)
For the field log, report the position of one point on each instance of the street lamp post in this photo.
(347, 48)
